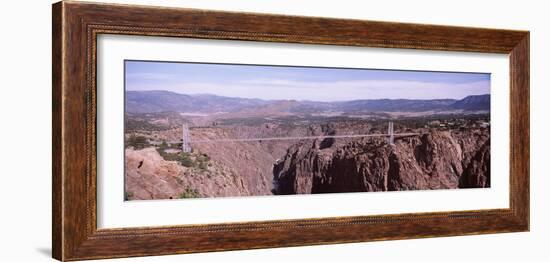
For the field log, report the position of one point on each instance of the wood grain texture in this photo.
(519, 129)
(75, 29)
(57, 199)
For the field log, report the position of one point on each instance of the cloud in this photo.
(376, 84)
(272, 89)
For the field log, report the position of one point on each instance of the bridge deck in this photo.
(291, 138)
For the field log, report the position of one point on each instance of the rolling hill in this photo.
(165, 101)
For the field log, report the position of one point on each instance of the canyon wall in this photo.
(436, 160)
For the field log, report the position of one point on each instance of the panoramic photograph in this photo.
(204, 130)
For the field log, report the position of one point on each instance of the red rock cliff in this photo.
(438, 160)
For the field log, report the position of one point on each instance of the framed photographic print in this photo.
(181, 130)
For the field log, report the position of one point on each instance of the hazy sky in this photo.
(301, 83)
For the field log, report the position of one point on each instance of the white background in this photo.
(113, 212)
(25, 158)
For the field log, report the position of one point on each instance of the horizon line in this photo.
(336, 101)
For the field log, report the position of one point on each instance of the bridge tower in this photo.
(186, 140)
(390, 133)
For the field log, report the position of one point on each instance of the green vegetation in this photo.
(186, 161)
(189, 193)
(203, 158)
(128, 195)
(202, 161)
(441, 122)
(159, 121)
(141, 125)
(184, 158)
(202, 165)
(136, 141)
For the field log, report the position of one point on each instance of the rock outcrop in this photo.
(149, 176)
(437, 160)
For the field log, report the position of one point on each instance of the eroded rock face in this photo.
(476, 172)
(149, 176)
(438, 160)
(234, 169)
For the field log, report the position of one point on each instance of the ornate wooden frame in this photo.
(76, 26)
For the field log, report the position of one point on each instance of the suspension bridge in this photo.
(186, 138)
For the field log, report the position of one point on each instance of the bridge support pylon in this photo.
(390, 133)
(186, 140)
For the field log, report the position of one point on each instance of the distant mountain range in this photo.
(164, 101)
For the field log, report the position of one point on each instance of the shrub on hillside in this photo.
(137, 142)
(184, 158)
(189, 193)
